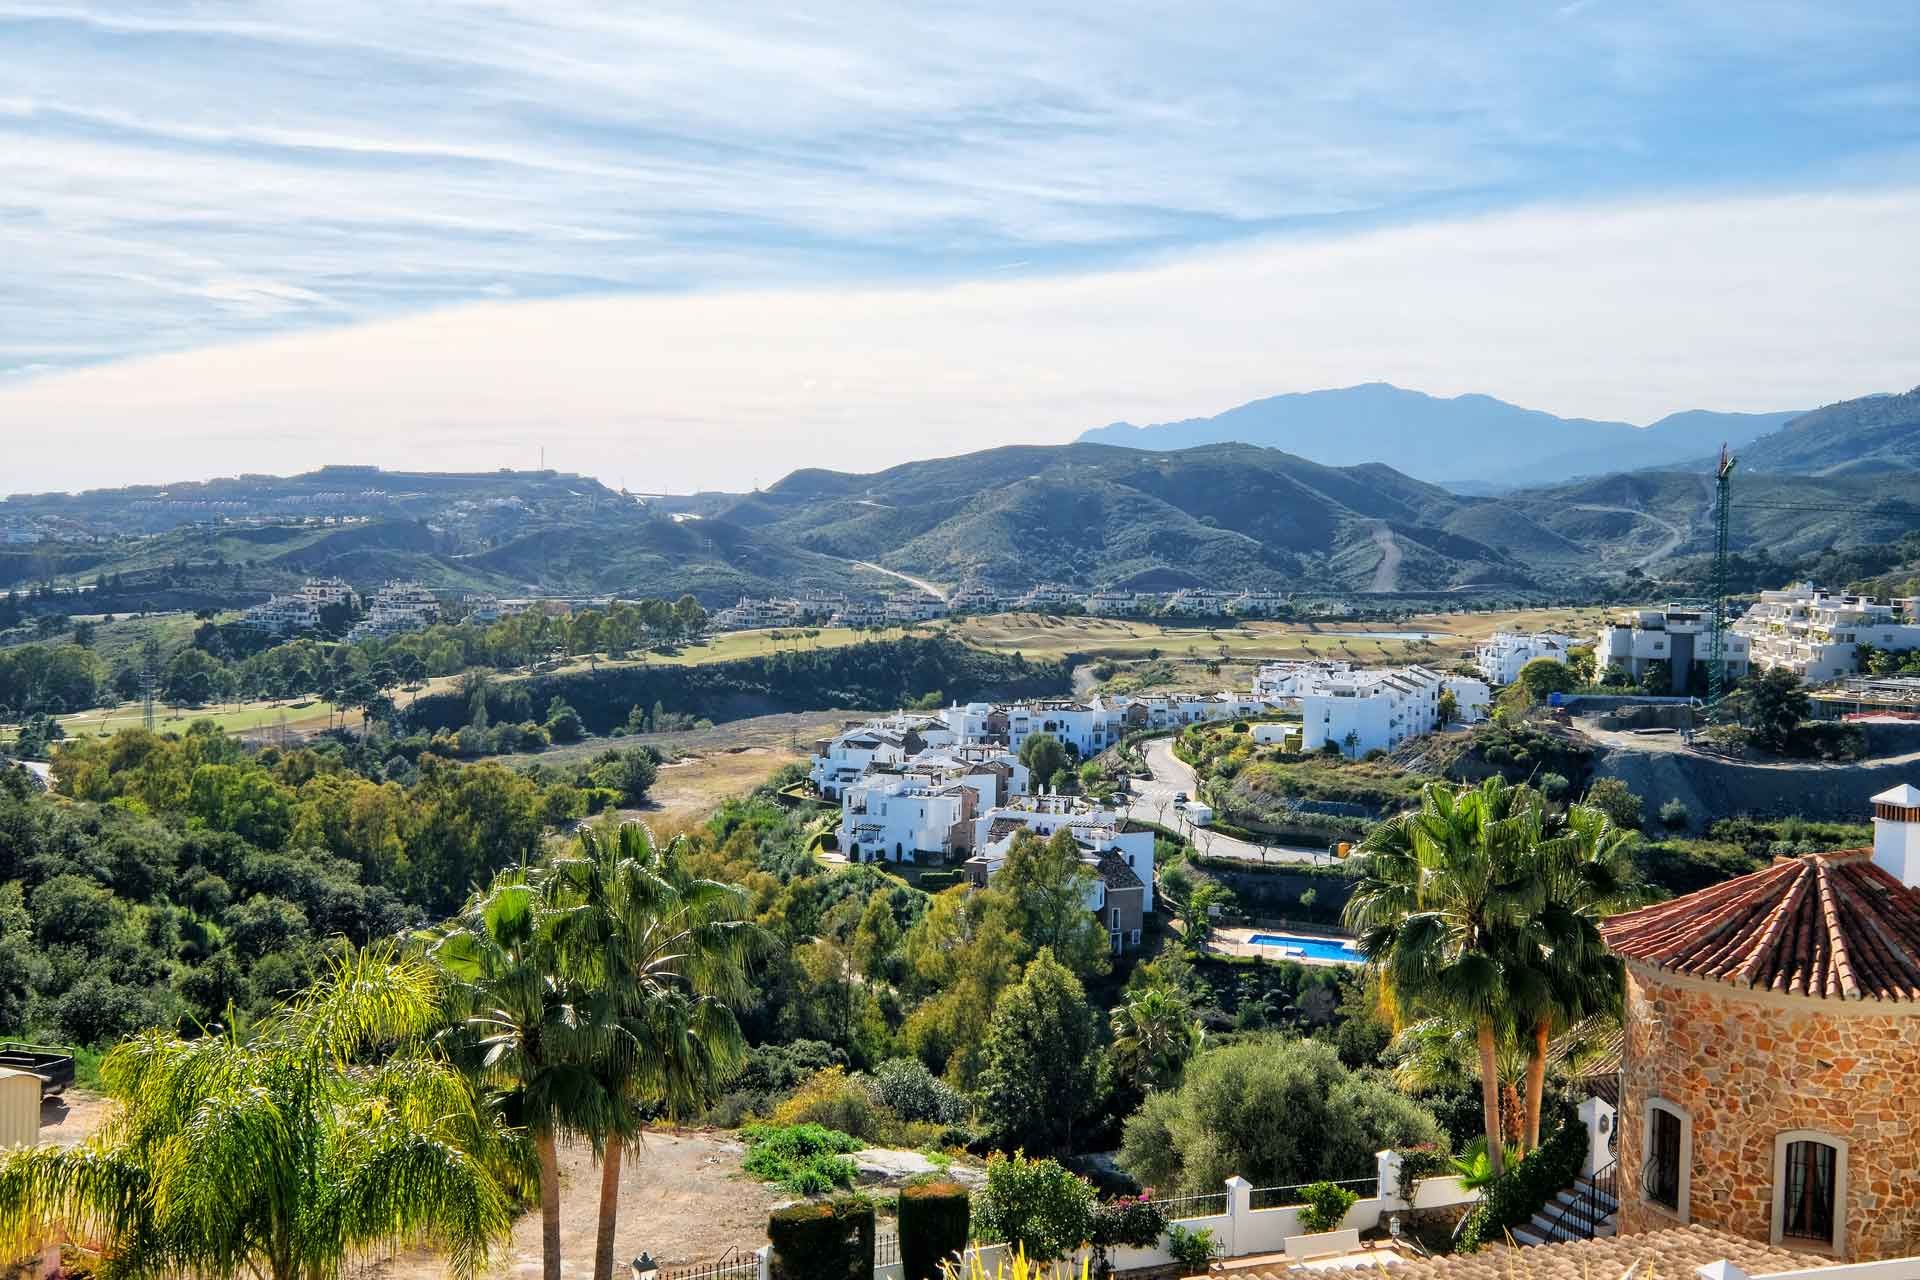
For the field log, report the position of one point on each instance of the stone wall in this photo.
(1746, 1067)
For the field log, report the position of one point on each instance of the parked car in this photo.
(51, 1063)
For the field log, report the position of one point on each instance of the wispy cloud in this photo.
(179, 173)
(1613, 311)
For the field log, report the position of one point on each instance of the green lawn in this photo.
(104, 722)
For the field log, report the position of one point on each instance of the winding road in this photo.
(1386, 576)
(1675, 534)
(1152, 801)
(921, 583)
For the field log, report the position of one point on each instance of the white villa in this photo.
(1501, 658)
(1677, 635)
(1817, 634)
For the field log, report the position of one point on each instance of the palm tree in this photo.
(521, 1032)
(1154, 1035)
(279, 1152)
(1440, 899)
(1581, 867)
(665, 954)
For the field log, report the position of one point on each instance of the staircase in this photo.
(1583, 1211)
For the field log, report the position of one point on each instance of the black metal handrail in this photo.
(1580, 1218)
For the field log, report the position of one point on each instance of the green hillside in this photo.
(1868, 437)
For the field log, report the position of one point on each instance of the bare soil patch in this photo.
(683, 1199)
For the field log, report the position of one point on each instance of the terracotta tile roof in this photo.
(1672, 1254)
(1830, 925)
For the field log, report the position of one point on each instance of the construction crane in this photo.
(1716, 638)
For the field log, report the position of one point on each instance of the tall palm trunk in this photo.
(549, 1206)
(1536, 1082)
(609, 1210)
(1490, 1098)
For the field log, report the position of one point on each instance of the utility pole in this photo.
(1722, 509)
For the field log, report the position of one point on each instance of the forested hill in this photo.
(1225, 514)
(876, 675)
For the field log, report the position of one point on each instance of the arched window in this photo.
(1809, 1189)
(1666, 1157)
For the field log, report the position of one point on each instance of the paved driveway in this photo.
(1152, 801)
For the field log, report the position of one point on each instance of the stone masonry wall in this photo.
(1747, 1069)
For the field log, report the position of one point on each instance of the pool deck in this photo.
(1235, 940)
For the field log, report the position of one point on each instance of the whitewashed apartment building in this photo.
(925, 808)
(396, 609)
(300, 611)
(1817, 634)
(1677, 635)
(1365, 709)
(1500, 659)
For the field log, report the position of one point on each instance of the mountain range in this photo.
(1470, 443)
(1219, 514)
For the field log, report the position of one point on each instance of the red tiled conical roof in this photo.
(1830, 925)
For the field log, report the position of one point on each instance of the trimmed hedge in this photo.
(934, 1217)
(828, 1240)
(935, 881)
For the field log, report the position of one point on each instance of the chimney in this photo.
(1896, 834)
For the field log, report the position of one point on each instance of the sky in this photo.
(698, 246)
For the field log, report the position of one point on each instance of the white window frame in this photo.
(1683, 1207)
(1781, 1142)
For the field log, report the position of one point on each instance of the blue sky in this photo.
(178, 177)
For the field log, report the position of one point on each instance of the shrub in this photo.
(934, 1220)
(1273, 1110)
(1035, 1205)
(806, 1159)
(1674, 815)
(1554, 786)
(832, 1240)
(1525, 1187)
(1135, 1221)
(936, 881)
(835, 1100)
(1324, 1206)
(1615, 799)
(905, 1085)
(1193, 1250)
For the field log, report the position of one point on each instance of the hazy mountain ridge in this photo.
(1474, 439)
(1091, 515)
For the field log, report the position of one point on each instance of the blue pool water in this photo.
(1313, 948)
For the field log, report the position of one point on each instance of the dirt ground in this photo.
(68, 1120)
(683, 1199)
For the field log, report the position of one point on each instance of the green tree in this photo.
(1438, 904)
(1775, 705)
(1579, 868)
(1044, 756)
(663, 955)
(1039, 1075)
(1154, 1034)
(520, 1033)
(877, 937)
(281, 1152)
(1615, 799)
(1051, 887)
(1543, 676)
(1036, 1206)
(1275, 1111)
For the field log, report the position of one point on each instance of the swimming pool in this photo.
(1310, 948)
